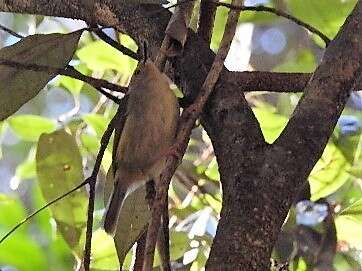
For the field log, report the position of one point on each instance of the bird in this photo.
(147, 137)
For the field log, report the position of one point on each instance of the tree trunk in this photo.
(259, 181)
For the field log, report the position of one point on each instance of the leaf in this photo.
(212, 170)
(19, 243)
(219, 27)
(30, 127)
(179, 243)
(326, 15)
(91, 144)
(11, 212)
(128, 42)
(17, 85)
(349, 229)
(133, 220)
(271, 123)
(97, 122)
(343, 261)
(59, 169)
(330, 172)
(349, 146)
(354, 210)
(304, 61)
(99, 56)
(74, 86)
(26, 170)
(22, 245)
(104, 255)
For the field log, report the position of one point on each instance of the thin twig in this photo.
(70, 72)
(186, 124)
(140, 252)
(263, 9)
(123, 49)
(117, 119)
(41, 209)
(278, 13)
(247, 80)
(94, 82)
(11, 32)
(165, 238)
(152, 237)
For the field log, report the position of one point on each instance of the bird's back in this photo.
(151, 123)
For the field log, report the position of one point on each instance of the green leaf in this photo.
(354, 210)
(271, 123)
(343, 261)
(219, 26)
(133, 220)
(59, 254)
(22, 253)
(11, 212)
(97, 122)
(215, 202)
(18, 85)
(325, 15)
(90, 142)
(349, 229)
(350, 146)
(99, 56)
(19, 243)
(59, 169)
(30, 127)
(212, 170)
(330, 172)
(104, 255)
(179, 243)
(74, 86)
(26, 170)
(304, 61)
(128, 42)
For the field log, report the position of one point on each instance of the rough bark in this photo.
(255, 203)
(259, 180)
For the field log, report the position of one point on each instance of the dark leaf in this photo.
(133, 219)
(19, 85)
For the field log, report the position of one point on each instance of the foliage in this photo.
(53, 148)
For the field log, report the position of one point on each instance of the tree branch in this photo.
(278, 13)
(206, 21)
(186, 124)
(139, 27)
(123, 49)
(324, 98)
(118, 120)
(140, 252)
(206, 11)
(70, 71)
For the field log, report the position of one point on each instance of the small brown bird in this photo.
(148, 134)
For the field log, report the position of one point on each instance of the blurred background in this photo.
(263, 42)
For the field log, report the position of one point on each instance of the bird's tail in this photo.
(114, 207)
